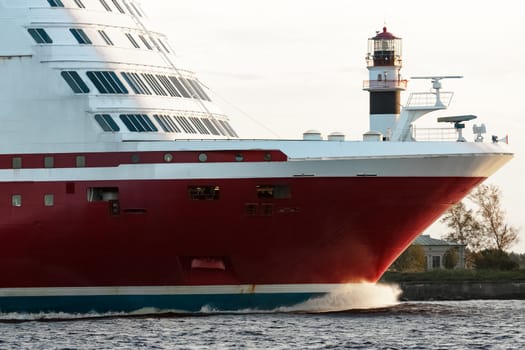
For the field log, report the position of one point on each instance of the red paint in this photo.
(330, 230)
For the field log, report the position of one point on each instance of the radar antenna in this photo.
(436, 84)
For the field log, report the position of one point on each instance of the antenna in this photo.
(436, 84)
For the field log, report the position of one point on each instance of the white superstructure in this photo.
(99, 74)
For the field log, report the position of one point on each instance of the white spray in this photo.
(351, 297)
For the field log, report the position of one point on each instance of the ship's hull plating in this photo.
(79, 255)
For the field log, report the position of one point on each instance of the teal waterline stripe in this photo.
(129, 303)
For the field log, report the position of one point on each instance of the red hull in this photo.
(329, 230)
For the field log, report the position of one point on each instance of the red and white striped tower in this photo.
(385, 84)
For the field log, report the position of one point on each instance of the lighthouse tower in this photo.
(384, 84)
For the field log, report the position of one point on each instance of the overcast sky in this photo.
(280, 67)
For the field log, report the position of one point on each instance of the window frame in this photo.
(75, 82)
(80, 35)
(40, 36)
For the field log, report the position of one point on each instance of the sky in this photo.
(281, 67)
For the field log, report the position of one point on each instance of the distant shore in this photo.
(459, 285)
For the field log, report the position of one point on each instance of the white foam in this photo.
(351, 297)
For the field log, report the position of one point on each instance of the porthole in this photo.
(267, 157)
(203, 157)
(168, 157)
(135, 158)
(239, 157)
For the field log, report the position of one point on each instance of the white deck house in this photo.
(435, 249)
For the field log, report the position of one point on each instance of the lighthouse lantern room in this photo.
(385, 83)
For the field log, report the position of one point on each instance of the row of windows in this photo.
(111, 194)
(41, 37)
(49, 162)
(107, 82)
(105, 5)
(178, 124)
(16, 200)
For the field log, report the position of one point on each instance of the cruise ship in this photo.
(123, 185)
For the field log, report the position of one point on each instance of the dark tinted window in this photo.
(138, 122)
(75, 82)
(106, 122)
(105, 4)
(105, 37)
(80, 4)
(55, 3)
(80, 35)
(107, 82)
(40, 36)
(117, 5)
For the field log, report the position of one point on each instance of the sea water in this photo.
(367, 318)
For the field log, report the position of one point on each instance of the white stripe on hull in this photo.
(423, 166)
(170, 290)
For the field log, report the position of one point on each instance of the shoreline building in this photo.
(435, 250)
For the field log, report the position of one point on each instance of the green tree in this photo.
(464, 227)
(482, 227)
(492, 217)
(451, 258)
(494, 259)
(412, 260)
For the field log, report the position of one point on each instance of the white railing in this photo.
(434, 134)
(429, 99)
(385, 84)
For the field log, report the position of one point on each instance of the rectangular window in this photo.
(136, 83)
(199, 125)
(106, 122)
(105, 37)
(198, 90)
(16, 200)
(117, 5)
(55, 3)
(210, 126)
(146, 43)
(102, 194)
(49, 162)
(251, 209)
(166, 123)
(436, 262)
(138, 123)
(179, 87)
(105, 5)
(40, 36)
(189, 88)
(204, 192)
(80, 4)
(219, 127)
(17, 163)
(273, 191)
(155, 85)
(75, 82)
(163, 46)
(81, 36)
(49, 200)
(132, 40)
(107, 82)
(168, 85)
(185, 125)
(228, 128)
(136, 9)
(80, 161)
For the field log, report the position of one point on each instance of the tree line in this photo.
(479, 223)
